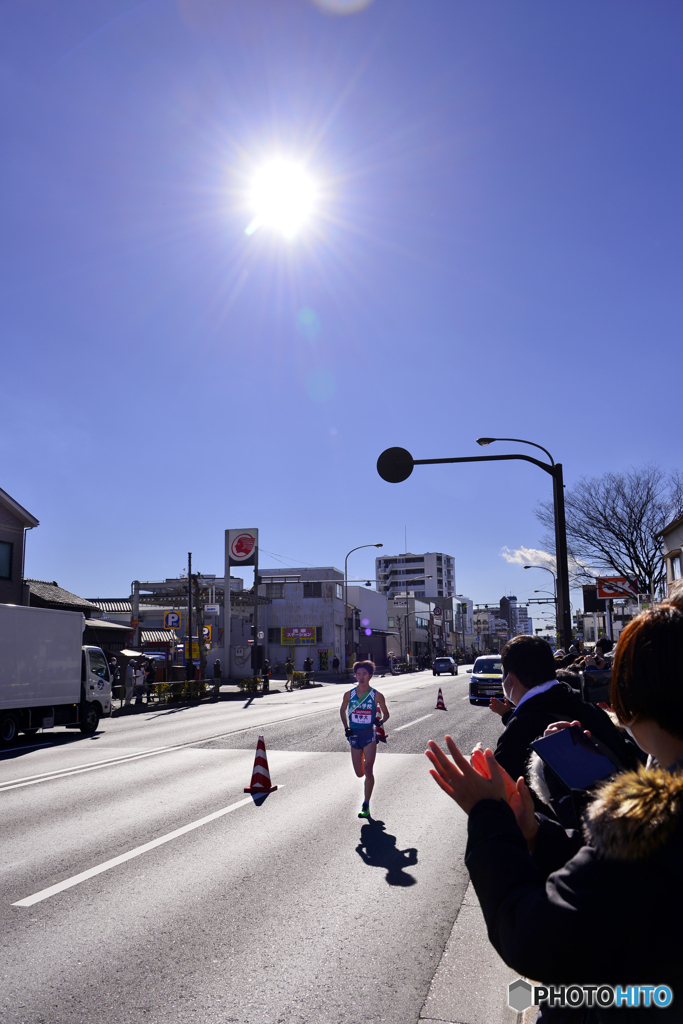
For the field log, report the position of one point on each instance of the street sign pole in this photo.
(226, 611)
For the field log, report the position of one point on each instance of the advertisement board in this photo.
(241, 546)
(297, 635)
(616, 586)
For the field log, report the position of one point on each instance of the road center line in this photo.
(137, 852)
(413, 723)
(113, 762)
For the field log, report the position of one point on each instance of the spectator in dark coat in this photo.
(530, 683)
(606, 912)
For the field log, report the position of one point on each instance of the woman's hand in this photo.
(460, 780)
(559, 726)
(517, 795)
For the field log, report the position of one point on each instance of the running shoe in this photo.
(364, 812)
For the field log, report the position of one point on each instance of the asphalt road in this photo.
(291, 911)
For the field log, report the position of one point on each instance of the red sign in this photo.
(616, 586)
(242, 546)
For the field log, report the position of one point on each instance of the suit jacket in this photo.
(558, 704)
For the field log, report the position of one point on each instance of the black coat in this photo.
(606, 913)
(559, 703)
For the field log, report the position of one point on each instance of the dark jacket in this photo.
(608, 912)
(559, 703)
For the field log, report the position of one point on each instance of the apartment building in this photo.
(431, 574)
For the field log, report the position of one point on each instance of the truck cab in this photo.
(96, 686)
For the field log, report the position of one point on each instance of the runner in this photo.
(361, 704)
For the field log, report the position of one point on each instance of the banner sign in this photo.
(241, 546)
(297, 635)
(616, 586)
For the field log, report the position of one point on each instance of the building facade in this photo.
(14, 522)
(431, 574)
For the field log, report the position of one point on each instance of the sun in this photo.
(282, 197)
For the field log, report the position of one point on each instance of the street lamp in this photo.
(346, 597)
(554, 586)
(396, 464)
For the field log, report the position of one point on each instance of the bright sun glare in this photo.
(282, 197)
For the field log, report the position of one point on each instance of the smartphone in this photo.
(578, 760)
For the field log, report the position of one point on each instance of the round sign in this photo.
(437, 612)
(242, 546)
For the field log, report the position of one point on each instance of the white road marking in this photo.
(52, 890)
(412, 723)
(112, 762)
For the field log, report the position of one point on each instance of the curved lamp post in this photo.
(346, 596)
(554, 584)
(396, 464)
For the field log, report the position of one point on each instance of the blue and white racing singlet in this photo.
(362, 710)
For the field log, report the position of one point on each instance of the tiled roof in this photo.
(52, 595)
(106, 624)
(157, 636)
(124, 605)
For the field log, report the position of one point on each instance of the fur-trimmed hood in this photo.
(631, 816)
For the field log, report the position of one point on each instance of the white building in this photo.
(305, 617)
(431, 574)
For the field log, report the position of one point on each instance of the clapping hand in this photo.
(500, 706)
(460, 780)
(516, 793)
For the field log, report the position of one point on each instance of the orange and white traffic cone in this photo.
(440, 706)
(260, 777)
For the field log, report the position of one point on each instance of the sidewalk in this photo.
(471, 981)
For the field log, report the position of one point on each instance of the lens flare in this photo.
(282, 197)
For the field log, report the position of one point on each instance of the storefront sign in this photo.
(297, 635)
(241, 546)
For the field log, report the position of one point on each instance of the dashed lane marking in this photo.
(412, 723)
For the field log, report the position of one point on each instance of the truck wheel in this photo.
(9, 728)
(90, 719)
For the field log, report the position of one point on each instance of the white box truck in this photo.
(47, 676)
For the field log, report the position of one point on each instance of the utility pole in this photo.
(189, 667)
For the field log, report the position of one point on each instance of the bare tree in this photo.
(613, 522)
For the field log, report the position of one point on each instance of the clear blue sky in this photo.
(496, 251)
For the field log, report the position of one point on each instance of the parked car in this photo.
(444, 665)
(487, 680)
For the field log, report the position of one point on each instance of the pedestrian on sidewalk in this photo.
(360, 704)
(335, 665)
(150, 677)
(130, 682)
(289, 672)
(216, 677)
(139, 682)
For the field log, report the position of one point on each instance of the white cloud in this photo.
(529, 556)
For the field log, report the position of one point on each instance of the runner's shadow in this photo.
(378, 849)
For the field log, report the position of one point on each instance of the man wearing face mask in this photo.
(537, 699)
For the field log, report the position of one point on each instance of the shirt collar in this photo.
(535, 690)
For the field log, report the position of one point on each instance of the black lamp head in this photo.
(395, 465)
